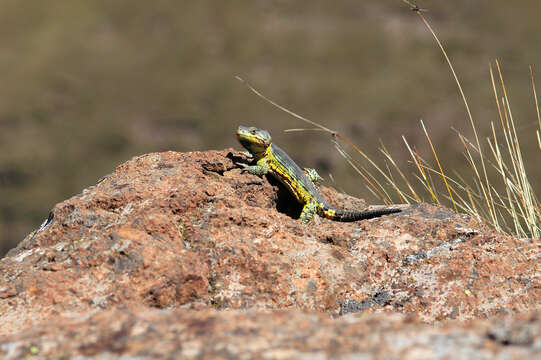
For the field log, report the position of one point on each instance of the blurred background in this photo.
(87, 85)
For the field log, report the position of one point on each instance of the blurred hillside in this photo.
(88, 85)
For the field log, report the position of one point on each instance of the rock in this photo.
(192, 235)
(277, 334)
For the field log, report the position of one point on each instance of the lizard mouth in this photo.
(249, 141)
(247, 137)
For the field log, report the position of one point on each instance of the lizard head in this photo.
(255, 140)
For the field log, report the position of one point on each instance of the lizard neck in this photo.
(261, 154)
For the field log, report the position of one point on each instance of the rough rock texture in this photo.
(279, 334)
(189, 234)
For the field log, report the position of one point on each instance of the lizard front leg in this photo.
(260, 169)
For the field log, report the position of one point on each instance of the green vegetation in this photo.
(88, 85)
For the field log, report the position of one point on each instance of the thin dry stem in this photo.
(532, 79)
(404, 178)
(439, 165)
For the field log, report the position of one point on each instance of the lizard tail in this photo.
(347, 216)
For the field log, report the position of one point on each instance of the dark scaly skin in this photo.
(270, 159)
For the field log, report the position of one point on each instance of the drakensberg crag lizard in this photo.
(270, 159)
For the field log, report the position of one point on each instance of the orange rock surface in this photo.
(181, 254)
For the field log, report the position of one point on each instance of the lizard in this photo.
(271, 159)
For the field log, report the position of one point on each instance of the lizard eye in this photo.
(252, 131)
